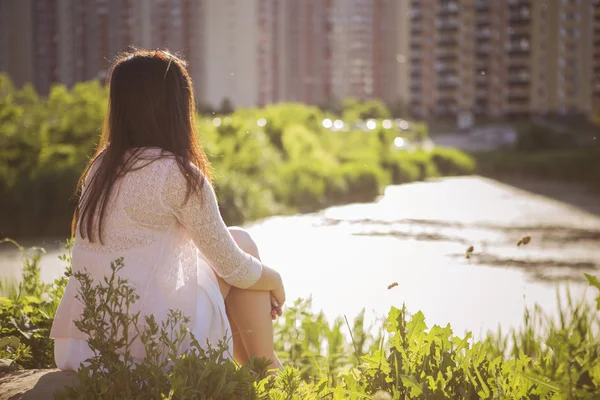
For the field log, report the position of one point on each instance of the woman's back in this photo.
(168, 243)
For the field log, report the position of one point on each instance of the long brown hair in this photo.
(151, 104)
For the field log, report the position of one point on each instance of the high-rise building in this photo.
(596, 53)
(352, 44)
(239, 52)
(17, 40)
(561, 64)
(424, 51)
(371, 50)
(501, 57)
(391, 51)
(491, 58)
(303, 51)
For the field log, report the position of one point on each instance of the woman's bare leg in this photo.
(249, 312)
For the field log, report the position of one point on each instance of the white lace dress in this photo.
(171, 249)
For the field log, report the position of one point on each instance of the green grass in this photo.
(547, 358)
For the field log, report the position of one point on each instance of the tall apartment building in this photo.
(501, 57)
(371, 49)
(67, 41)
(16, 41)
(391, 51)
(596, 53)
(352, 55)
(239, 51)
(303, 56)
(491, 73)
(423, 77)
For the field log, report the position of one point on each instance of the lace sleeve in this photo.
(201, 216)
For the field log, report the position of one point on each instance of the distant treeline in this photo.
(274, 160)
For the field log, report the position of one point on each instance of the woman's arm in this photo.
(201, 216)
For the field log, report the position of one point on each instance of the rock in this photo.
(7, 365)
(34, 384)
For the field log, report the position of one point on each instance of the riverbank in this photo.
(571, 165)
(417, 235)
(334, 359)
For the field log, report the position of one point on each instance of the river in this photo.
(416, 235)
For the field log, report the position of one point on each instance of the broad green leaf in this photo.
(540, 381)
(416, 389)
(416, 326)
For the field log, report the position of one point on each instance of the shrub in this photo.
(364, 182)
(450, 161)
(572, 165)
(168, 370)
(45, 143)
(27, 313)
(402, 169)
(533, 137)
(422, 161)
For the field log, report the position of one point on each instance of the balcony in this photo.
(448, 41)
(483, 49)
(516, 47)
(482, 79)
(517, 80)
(447, 56)
(484, 33)
(448, 83)
(519, 17)
(447, 25)
(481, 93)
(447, 71)
(515, 4)
(482, 5)
(450, 9)
(518, 102)
(518, 92)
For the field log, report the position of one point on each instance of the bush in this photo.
(364, 182)
(571, 165)
(422, 161)
(27, 313)
(452, 162)
(402, 169)
(532, 137)
(260, 168)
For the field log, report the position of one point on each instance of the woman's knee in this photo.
(244, 240)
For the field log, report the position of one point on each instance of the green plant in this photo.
(27, 313)
(450, 161)
(168, 370)
(546, 358)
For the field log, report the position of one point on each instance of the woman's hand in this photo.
(277, 301)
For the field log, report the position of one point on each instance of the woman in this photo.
(146, 196)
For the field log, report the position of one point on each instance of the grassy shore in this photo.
(547, 358)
